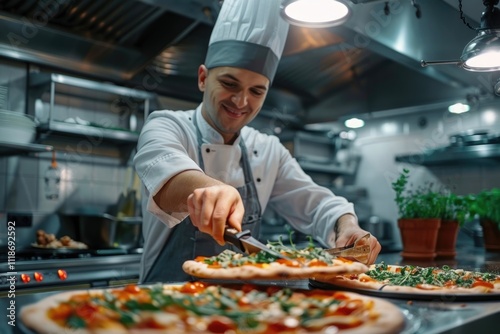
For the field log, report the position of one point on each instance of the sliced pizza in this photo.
(310, 262)
(420, 280)
(197, 307)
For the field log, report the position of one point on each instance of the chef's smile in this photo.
(233, 111)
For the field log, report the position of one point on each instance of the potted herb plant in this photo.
(420, 213)
(456, 211)
(487, 205)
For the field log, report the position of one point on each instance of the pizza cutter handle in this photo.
(232, 236)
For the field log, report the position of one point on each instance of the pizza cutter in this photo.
(358, 251)
(244, 241)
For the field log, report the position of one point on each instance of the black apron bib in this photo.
(185, 241)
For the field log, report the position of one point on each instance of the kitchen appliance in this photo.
(35, 269)
(110, 259)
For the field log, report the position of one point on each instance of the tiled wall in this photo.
(382, 139)
(91, 185)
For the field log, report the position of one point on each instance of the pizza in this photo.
(197, 307)
(309, 262)
(420, 280)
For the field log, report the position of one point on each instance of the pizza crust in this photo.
(370, 284)
(383, 317)
(390, 318)
(272, 271)
(35, 317)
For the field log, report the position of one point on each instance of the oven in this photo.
(37, 270)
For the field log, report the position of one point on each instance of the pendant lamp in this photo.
(315, 13)
(482, 53)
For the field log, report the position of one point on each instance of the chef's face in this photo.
(232, 98)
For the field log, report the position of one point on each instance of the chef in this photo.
(204, 169)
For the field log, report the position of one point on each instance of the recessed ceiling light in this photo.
(458, 108)
(354, 123)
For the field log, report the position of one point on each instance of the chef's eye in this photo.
(257, 92)
(228, 84)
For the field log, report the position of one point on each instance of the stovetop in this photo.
(34, 253)
(52, 268)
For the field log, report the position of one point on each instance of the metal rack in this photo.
(104, 115)
(453, 154)
(16, 149)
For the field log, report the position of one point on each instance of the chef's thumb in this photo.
(235, 221)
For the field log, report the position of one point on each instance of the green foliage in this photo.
(420, 203)
(457, 207)
(486, 204)
(425, 202)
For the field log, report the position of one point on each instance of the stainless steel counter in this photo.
(440, 315)
(443, 314)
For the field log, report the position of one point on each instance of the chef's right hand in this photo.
(214, 207)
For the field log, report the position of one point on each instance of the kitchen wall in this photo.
(87, 182)
(408, 131)
(91, 184)
(94, 173)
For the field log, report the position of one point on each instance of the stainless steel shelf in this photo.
(454, 155)
(92, 131)
(45, 79)
(7, 148)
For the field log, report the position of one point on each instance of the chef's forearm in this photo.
(172, 197)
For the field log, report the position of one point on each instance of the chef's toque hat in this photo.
(248, 34)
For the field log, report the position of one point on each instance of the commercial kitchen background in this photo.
(360, 167)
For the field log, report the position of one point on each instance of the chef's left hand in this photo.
(348, 231)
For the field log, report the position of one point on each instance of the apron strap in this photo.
(185, 241)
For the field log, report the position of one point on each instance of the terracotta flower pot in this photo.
(491, 235)
(447, 239)
(419, 237)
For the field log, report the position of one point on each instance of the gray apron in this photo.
(185, 241)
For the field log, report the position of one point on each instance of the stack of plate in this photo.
(16, 127)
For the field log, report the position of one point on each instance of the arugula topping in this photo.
(246, 308)
(413, 275)
(229, 258)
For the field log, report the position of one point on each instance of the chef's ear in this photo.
(202, 77)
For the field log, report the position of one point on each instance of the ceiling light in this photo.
(458, 108)
(482, 53)
(354, 123)
(315, 13)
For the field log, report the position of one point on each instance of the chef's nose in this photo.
(240, 99)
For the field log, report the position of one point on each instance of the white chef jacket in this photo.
(168, 145)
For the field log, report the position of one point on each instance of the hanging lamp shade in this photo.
(315, 13)
(482, 53)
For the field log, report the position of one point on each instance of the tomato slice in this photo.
(480, 282)
(132, 288)
(86, 311)
(193, 287)
(221, 325)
